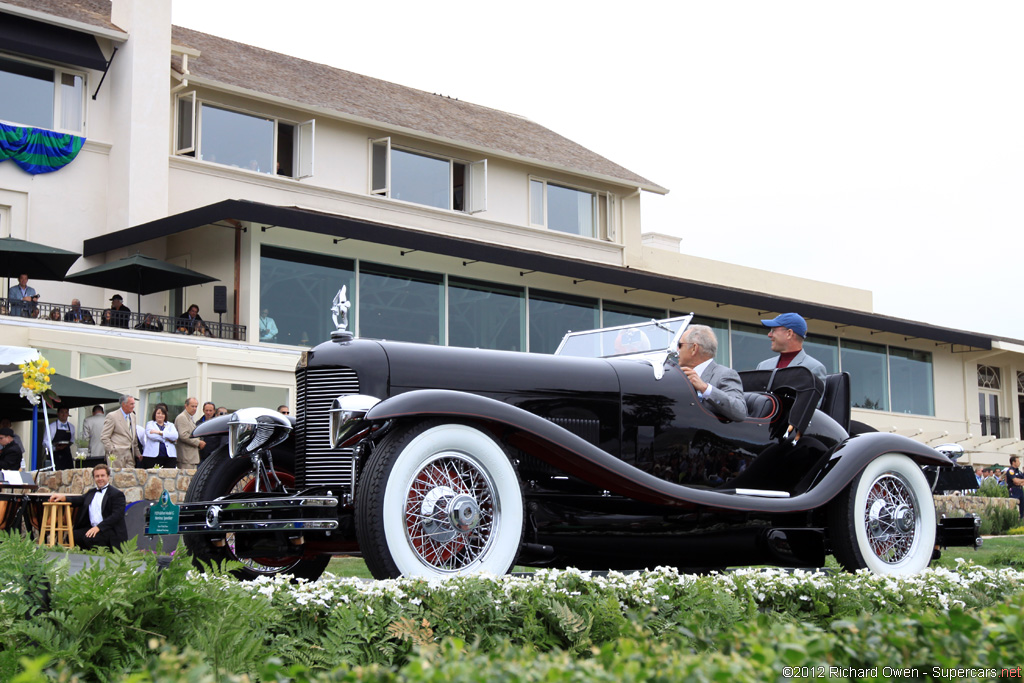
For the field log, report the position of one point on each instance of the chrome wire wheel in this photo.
(891, 518)
(439, 499)
(885, 519)
(450, 512)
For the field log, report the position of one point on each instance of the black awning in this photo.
(416, 240)
(53, 43)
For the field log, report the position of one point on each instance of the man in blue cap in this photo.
(787, 333)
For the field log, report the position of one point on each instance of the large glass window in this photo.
(486, 315)
(421, 179)
(825, 350)
(562, 208)
(426, 179)
(400, 304)
(750, 346)
(869, 379)
(624, 314)
(59, 359)
(910, 379)
(296, 290)
(553, 314)
(234, 138)
(234, 396)
(41, 96)
(92, 365)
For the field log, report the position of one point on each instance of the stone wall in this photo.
(958, 506)
(137, 484)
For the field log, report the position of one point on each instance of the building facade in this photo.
(447, 222)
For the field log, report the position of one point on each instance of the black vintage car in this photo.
(435, 461)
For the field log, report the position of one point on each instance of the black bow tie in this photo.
(102, 489)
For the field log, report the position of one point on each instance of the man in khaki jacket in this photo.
(188, 447)
(120, 436)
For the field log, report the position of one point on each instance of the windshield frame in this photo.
(573, 342)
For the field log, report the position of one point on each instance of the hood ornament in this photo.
(339, 314)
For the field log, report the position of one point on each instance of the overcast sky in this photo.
(872, 144)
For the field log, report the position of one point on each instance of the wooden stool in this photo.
(57, 524)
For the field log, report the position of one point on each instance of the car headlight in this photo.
(347, 413)
(254, 429)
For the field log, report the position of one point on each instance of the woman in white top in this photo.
(160, 438)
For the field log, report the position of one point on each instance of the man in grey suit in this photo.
(787, 333)
(717, 386)
(188, 446)
(92, 430)
(120, 435)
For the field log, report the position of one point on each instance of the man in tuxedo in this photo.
(717, 386)
(100, 520)
(120, 434)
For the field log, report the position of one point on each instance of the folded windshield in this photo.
(639, 339)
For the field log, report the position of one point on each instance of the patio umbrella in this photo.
(40, 261)
(73, 393)
(139, 274)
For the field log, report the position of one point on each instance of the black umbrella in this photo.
(39, 261)
(73, 393)
(139, 274)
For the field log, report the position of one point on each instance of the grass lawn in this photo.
(999, 551)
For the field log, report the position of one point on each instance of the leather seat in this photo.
(760, 405)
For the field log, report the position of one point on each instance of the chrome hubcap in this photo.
(891, 518)
(450, 512)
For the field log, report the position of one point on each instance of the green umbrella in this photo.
(39, 261)
(139, 274)
(73, 393)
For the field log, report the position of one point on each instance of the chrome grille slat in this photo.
(316, 463)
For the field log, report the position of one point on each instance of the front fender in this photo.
(575, 456)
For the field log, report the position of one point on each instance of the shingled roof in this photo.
(89, 12)
(306, 83)
(324, 88)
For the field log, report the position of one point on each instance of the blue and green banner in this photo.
(37, 150)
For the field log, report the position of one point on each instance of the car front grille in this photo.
(316, 464)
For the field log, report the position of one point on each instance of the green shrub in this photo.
(996, 520)
(990, 488)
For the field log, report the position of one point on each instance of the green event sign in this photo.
(163, 516)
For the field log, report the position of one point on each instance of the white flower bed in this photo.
(773, 589)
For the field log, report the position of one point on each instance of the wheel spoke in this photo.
(443, 482)
(891, 518)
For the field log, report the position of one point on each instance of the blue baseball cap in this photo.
(790, 321)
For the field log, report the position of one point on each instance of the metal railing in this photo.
(993, 425)
(107, 317)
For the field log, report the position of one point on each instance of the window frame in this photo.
(304, 142)
(58, 95)
(475, 176)
(603, 207)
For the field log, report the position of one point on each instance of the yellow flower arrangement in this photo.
(35, 382)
